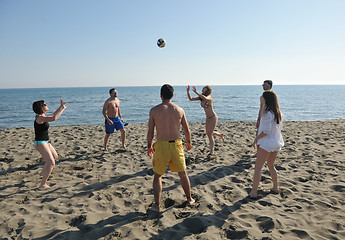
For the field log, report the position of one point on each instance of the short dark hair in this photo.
(269, 82)
(111, 90)
(37, 106)
(167, 91)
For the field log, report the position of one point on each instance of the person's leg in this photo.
(48, 157)
(260, 161)
(157, 191)
(257, 131)
(221, 135)
(53, 151)
(186, 186)
(123, 137)
(106, 140)
(210, 126)
(270, 163)
(55, 155)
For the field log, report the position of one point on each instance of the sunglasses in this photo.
(44, 104)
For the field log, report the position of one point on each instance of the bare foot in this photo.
(211, 156)
(44, 186)
(41, 174)
(191, 202)
(275, 190)
(124, 148)
(154, 208)
(105, 149)
(222, 137)
(253, 195)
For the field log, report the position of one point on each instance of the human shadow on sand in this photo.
(199, 223)
(216, 173)
(29, 167)
(101, 185)
(203, 178)
(98, 230)
(23, 168)
(195, 224)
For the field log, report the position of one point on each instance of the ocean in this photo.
(232, 103)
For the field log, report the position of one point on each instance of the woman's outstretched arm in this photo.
(189, 97)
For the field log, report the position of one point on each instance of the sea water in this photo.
(231, 103)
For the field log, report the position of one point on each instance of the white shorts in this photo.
(270, 148)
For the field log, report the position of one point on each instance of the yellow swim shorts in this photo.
(168, 152)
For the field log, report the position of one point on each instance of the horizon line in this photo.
(173, 86)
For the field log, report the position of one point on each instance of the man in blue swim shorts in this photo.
(113, 119)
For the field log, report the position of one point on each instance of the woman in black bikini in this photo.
(42, 144)
(211, 117)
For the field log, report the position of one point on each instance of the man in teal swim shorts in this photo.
(113, 119)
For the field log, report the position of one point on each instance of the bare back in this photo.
(167, 117)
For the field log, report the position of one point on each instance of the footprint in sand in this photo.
(233, 234)
(78, 168)
(265, 203)
(300, 233)
(338, 188)
(77, 220)
(266, 224)
(182, 215)
(194, 225)
(169, 202)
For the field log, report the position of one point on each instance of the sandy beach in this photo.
(97, 194)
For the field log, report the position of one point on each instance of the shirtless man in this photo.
(168, 149)
(113, 119)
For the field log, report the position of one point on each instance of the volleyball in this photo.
(161, 43)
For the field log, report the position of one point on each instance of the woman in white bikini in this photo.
(206, 103)
(42, 144)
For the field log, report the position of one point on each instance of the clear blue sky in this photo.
(81, 43)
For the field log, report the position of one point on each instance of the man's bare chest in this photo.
(113, 104)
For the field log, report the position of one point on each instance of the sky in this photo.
(84, 43)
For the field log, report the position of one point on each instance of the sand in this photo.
(98, 194)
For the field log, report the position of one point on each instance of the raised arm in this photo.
(208, 98)
(62, 103)
(53, 117)
(189, 97)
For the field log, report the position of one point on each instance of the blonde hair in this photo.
(208, 90)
